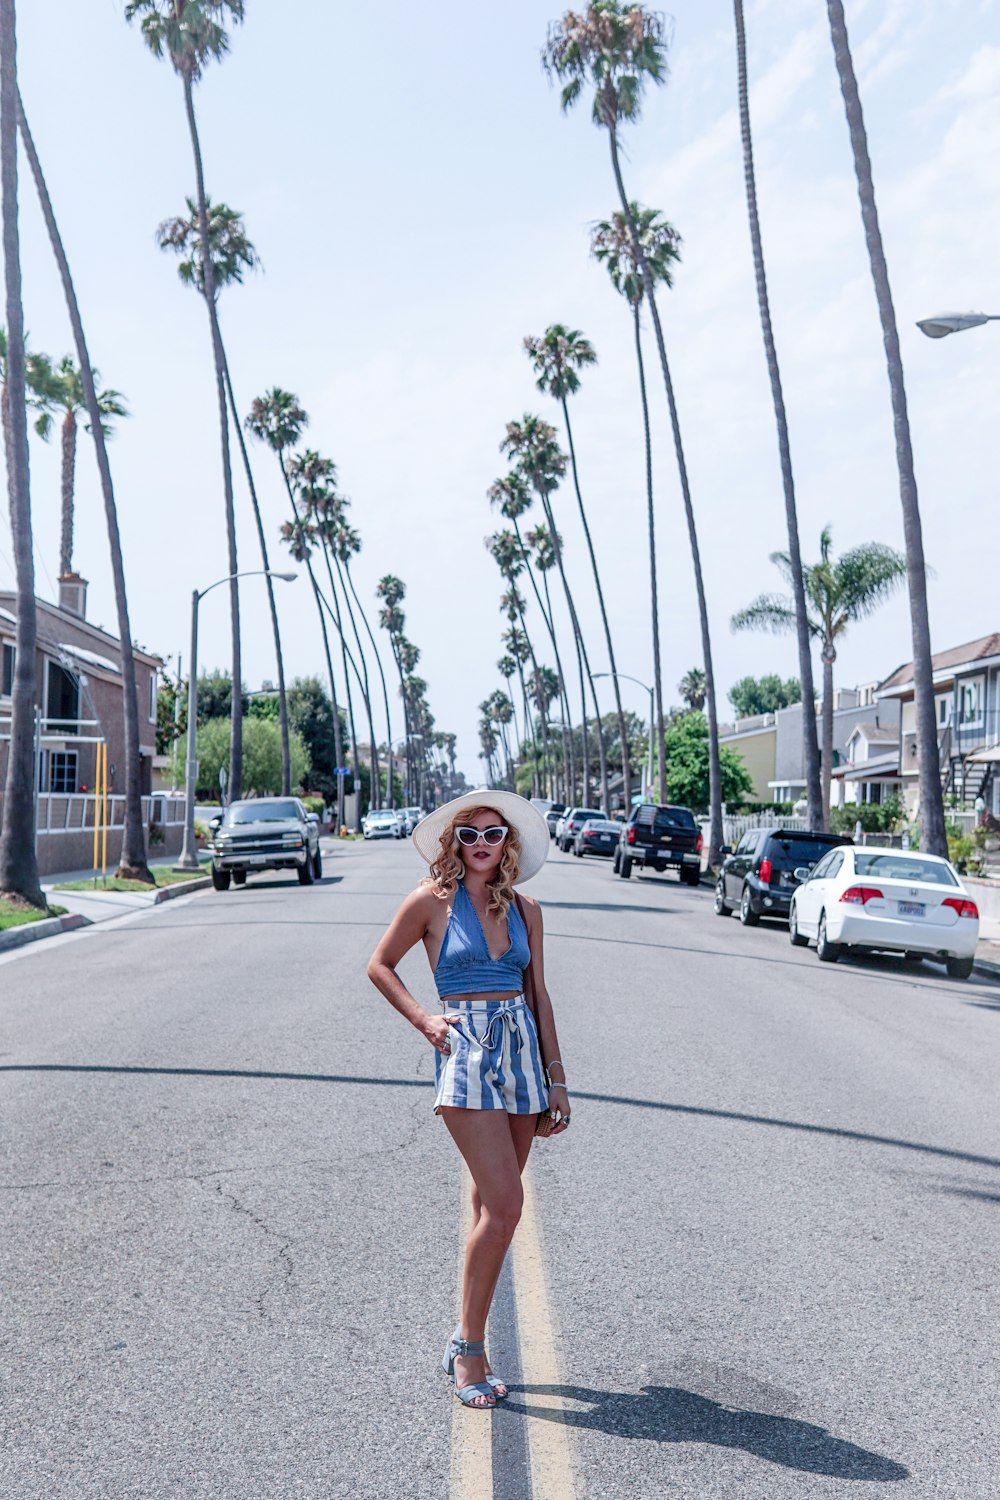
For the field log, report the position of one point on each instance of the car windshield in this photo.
(672, 817)
(584, 814)
(787, 854)
(879, 865)
(278, 811)
(599, 825)
(382, 817)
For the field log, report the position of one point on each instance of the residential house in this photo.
(967, 710)
(79, 704)
(870, 772)
(755, 739)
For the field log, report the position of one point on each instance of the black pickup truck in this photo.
(659, 837)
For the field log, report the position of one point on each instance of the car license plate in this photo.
(257, 859)
(912, 909)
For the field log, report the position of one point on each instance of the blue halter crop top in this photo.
(465, 966)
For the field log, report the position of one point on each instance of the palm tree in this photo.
(612, 243)
(934, 837)
(542, 558)
(810, 739)
(508, 552)
(839, 592)
(232, 256)
(557, 357)
(392, 591)
(343, 541)
(132, 863)
(18, 860)
(516, 643)
(64, 392)
(532, 443)
(616, 45)
(277, 419)
(348, 546)
(692, 688)
(192, 34)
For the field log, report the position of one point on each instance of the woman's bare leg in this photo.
(486, 1140)
(522, 1130)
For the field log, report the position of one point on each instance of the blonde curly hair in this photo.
(448, 869)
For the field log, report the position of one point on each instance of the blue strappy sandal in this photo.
(460, 1348)
(494, 1380)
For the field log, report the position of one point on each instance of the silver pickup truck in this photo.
(265, 833)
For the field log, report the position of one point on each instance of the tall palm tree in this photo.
(350, 546)
(192, 34)
(18, 860)
(508, 552)
(343, 541)
(612, 242)
(132, 863)
(516, 644)
(542, 558)
(557, 358)
(232, 256)
(692, 688)
(839, 592)
(810, 738)
(532, 443)
(278, 420)
(934, 837)
(392, 591)
(64, 393)
(616, 46)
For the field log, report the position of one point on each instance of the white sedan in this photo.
(382, 825)
(888, 899)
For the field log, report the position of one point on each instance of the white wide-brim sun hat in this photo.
(517, 812)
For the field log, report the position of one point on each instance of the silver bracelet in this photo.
(556, 1085)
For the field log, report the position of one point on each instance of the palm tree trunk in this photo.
(18, 857)
(810, 740)
(568, 773)
(933, 838)
(622, 733)
(67, 478)
(542, 717)
(381, 673)
(714, 768)
(375, 774)
(661, 734)
(550, 627)
(829, 657)
(132, 863)
(286, 752)
(236, 739)
(344, 653)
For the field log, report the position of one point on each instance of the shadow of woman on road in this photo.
(669, 1414)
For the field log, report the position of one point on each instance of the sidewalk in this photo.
(98, 905)
(988, 947)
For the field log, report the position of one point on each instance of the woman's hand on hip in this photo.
(438, 1033)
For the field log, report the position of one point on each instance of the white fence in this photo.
(75, 812)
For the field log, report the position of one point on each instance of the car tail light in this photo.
(699, 844)
(860, 895)
(630, 836)
(963, 907)
(765, 871)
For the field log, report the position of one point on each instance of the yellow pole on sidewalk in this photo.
(97, 800)
(107, 815)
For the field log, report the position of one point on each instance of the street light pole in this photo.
(649, 765)
(939, 327)
(188, 858)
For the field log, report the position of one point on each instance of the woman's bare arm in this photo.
(407, 928)
(545, 1020)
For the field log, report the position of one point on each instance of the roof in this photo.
(876, 734)
(958, 656)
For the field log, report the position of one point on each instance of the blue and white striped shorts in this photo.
(495, 1060)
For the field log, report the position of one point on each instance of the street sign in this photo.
(341, 770)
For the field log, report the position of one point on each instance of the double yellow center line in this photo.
(474, 1476)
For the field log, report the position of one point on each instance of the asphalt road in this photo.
(762, 1264)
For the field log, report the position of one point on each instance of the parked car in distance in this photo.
(382, 824)
(759, 877)
(597, 836)
(660, 837)
(553, 817)
(265, 833)
(888, 899)
(410, 817)
(570, 824)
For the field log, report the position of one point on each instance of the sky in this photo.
(420, 203)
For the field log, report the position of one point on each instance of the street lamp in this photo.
(945, 323)
(188, 859)
(649, 690)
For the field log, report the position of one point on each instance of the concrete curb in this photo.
(168, 892)
(33, 932)
(987, 968)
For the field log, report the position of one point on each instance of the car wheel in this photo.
(795, 937)
(691, 877)
(748, 916)
(305, 872)
(826, 952)
(960, 968)
(318, 865)
(721, 909)
(615, 862)
(220, 879)
(625, 867)
(239, 877)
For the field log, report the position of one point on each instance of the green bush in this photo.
(874, 817)
(314, 805)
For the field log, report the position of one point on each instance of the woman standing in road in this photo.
(495, 1052)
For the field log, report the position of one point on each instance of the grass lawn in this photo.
(162, 874)
(15, 915)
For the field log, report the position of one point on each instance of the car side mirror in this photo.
(802, 872)
(726, 849)
(215, 822)
(312, 817)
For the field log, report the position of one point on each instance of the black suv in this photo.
(661, 838)
(760, 875)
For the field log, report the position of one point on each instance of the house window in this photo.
(970, 703)
(62, 700)
(152, 697)
(6, 670)
(944, 711)
(62, 771)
